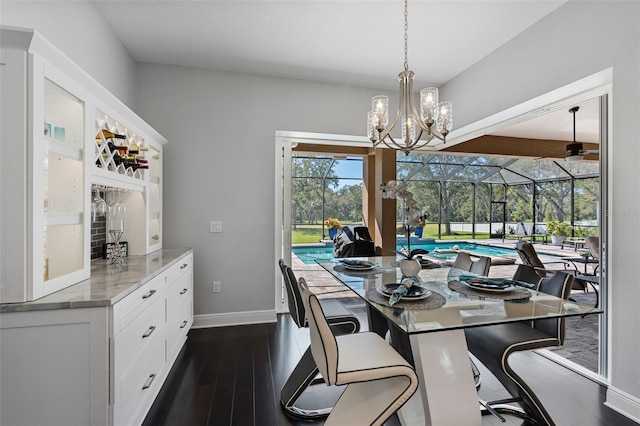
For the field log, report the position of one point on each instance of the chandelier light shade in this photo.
(431, 113)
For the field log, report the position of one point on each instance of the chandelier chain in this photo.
(406, 37)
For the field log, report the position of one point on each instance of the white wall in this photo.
(76, 28)
(219, 165)
(577, 40)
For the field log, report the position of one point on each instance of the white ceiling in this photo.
(352, 42)
(558, 125)
(347, 42)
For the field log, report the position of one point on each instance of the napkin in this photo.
(400, 291)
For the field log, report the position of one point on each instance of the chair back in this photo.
(528, 255)
(465, 263)
(559, 284)
(527, 274)
(594, 245)
(296, 306)
(324, 347)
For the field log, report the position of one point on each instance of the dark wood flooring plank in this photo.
(233, 376)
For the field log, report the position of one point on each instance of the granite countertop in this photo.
(107, 284)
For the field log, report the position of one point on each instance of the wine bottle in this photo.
(121, 150)
(110, 135)
(134, 148)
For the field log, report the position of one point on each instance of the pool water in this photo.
(441, 251)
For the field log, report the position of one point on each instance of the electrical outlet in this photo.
(216, 286)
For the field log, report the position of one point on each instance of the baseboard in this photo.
(623, 403)
(233, 318)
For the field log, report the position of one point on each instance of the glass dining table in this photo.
(427, 327)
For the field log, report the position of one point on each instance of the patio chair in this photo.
(378, 379)
(493, 345)
(529, 256)
(353, 241)
(466, 263)
(594, 247)
(305, 373)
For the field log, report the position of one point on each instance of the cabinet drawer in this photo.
(141, 383)
(126, 310)
(179, 321)
(180, 268)
(138, 335)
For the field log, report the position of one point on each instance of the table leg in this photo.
(447, 394)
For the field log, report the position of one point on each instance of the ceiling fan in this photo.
(574, 149)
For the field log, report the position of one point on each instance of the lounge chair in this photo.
(529, 256)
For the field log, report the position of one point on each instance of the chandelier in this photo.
(431, 112)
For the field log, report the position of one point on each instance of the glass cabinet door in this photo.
(63, 186)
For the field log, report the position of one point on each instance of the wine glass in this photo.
(98, 205)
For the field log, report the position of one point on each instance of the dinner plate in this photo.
(415, 292)
(358, 265)
(489, 287)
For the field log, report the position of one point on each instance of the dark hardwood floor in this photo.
(233, 376)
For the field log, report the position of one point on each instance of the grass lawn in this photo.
(313, 234)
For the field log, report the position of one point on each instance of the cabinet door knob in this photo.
(184, 324)
(184, 290)
(156, 237)
(184, 265)
(148, 295)
(150, 380)
(148, 333)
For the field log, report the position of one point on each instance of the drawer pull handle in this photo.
(148, 295)
(150, 380)
(184, 266)
(184, 324)
(156, 237)
(184, 290)
(148, 333)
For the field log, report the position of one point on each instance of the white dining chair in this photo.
(379, 380)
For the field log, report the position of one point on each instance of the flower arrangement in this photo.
(412, 216)
(332, 223)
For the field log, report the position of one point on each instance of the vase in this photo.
(332, 233)
(418, 232)
(410, 267)
(557, 240)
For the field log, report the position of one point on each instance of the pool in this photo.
(441, 251)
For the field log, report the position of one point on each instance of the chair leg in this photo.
(300, 379)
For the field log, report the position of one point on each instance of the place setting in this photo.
(495, 288)
(357, 267)
(406, 294)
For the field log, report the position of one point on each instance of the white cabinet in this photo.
(179, 306)
(149, 328)
(96, 365)
(49, 160)
(44, 178)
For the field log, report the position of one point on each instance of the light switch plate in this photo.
(215, 226)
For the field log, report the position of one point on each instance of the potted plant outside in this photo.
(333, 225)
(559, 231)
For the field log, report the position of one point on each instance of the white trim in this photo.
(234, 318)
(323, 138)
(587, 88)
(624, 403)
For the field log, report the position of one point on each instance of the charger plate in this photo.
(516, 293)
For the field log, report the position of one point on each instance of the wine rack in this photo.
(109, 158)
